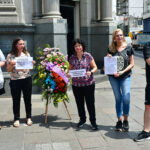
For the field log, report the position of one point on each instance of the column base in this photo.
(107, 20)
(52, 15)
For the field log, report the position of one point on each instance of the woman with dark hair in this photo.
(2, 63)
(20, 81)
(83, 87)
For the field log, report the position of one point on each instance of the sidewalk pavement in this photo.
(60, 133)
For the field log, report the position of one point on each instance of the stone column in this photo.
(51, 28)
(106, 10)
(85, 12)
(77, 20)
(51, 9)
(37, 8)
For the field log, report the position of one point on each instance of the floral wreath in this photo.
(51, 73)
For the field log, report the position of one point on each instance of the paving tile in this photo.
(47, 146)
(92, 142)
(61, 146)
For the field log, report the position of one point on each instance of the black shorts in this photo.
(147, 95)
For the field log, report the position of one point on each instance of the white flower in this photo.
(59, 53)
(48, 55)
(51, 90)
(45, 49)
(54, 54)
(51, 49)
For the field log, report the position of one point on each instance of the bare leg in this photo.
(120, 119)
(147, 118)
(125, 117)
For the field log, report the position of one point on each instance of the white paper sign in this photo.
(110, 65)
(77, 73)
(24, 62)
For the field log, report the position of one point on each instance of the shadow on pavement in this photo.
(56, 122)
(112, 133)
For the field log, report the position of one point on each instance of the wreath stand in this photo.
(46, 111)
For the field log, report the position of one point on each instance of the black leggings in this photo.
(16, 86)
(82, 95)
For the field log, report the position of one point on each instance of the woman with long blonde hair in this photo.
(120, 81)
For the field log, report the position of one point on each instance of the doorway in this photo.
(67, 12)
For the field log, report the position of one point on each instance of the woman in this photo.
(20, 81)
(2, 63)
(120, 81)
(83, 87)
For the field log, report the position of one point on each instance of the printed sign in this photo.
(24, 62)
(78, 73)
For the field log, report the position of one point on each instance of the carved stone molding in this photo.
(6, 2)
(7, 7)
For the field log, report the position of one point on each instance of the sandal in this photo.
(29, 122)
(16, 123)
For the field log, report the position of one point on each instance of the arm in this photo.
(93, 65)
(2, 63)
(2, 59)
(70, 67)
(109, 55)
(10, 65)
(34, 62)
(94, 68)
(131, 59)
(148, 61)
(68, 74)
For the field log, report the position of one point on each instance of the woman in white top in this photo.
(2, 63)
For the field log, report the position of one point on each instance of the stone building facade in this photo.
(57, 22)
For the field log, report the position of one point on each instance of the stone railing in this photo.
(6, 2)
